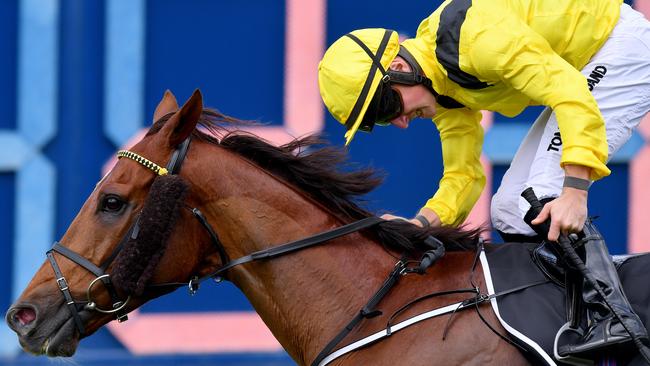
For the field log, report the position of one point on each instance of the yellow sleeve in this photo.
(509, 51)
(461, 136)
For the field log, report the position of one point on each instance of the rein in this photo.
(270, 253)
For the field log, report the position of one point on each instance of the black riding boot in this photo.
(604, 329)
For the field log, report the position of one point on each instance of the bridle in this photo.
(402, 267)
(119, 305)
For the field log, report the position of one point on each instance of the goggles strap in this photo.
(417, 77)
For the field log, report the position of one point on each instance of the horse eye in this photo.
(112, 204)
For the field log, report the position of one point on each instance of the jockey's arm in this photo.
(463, 179)
(510, 52)
(461, 138)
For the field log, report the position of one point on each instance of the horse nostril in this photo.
(21, 318)
(24, 316)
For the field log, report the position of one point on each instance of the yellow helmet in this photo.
(351, 71)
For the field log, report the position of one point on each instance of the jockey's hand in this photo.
(430, 215)
(389, 217)
(393, 217)
(568, 212)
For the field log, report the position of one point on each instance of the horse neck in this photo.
(293, 294)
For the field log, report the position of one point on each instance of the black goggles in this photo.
(385, 106)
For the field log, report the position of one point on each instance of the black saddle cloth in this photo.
(534, 315)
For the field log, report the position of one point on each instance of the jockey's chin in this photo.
(417, 102)
(401, 122)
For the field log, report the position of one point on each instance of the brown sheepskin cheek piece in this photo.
(136, 263)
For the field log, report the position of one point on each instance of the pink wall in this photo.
(639, 228)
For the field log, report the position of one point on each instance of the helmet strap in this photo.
(417, 77)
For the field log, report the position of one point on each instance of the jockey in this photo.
(587, 61)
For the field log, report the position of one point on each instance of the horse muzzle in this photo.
(45, 329)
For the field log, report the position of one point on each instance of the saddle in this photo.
(534, 316)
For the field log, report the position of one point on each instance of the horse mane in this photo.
(323, 173)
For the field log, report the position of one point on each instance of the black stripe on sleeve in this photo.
(447, 43)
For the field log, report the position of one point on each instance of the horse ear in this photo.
(168, 104)
(183, 122)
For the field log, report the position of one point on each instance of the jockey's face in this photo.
(418, 101)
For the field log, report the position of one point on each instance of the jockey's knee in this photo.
(504, 210)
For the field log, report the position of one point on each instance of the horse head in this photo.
(126, 235)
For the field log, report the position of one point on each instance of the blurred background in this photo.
(80, 78)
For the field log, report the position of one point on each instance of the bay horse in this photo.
(240, 195)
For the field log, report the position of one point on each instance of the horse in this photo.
(234, 194)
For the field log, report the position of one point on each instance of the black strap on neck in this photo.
(301, 244)
(367, 312)
(213, 235)
(275, 252)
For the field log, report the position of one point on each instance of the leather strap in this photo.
(302, 243)
(213, 235)
(368, 311)
(62, 283)
(57, 247)
(97, 271)
(176, 161)
(277, 251)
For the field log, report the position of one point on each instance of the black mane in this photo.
(324, 174)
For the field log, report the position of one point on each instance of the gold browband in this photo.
(143, 161)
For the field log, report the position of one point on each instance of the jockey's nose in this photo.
(21, 318)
